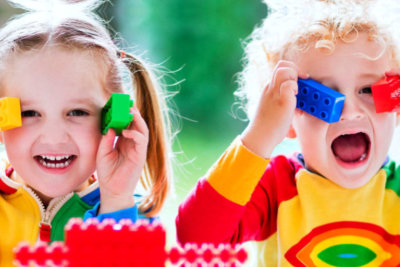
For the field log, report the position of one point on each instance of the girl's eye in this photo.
(77, 112)
(30, 113)
(366, 90)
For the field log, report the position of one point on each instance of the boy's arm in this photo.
(227, 206)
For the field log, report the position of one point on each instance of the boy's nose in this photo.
(351, 110)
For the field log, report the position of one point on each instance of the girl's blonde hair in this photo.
(297, 25)
(71, 24)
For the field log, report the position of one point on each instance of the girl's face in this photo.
(62, 93)
(350, 151)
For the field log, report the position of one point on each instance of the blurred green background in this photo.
(200, 44)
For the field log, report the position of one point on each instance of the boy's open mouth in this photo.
(351, 148)
(55, 162)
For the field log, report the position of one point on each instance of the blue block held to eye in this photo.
(319, 100)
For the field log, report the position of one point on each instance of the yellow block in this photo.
(10, 113)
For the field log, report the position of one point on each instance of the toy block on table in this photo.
(123, 244)
(115, 113)
(386, 94)
(319, 100)
(10, 113)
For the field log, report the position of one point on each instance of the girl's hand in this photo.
(119, 168)
(275, 110)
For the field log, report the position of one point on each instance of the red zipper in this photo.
(44, 232)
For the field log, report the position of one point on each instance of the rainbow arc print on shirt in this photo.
(346, 244)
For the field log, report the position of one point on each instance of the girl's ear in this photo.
(1, 138)
(291, 133)
(397, 118)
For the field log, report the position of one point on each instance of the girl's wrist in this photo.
(114, 203)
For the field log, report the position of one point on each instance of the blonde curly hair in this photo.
(298, 25)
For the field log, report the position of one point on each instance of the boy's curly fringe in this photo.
(296, 25)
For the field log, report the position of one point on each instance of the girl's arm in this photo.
(120, 166)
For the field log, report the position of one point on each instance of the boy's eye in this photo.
(77, 112)
(30, 113)
(366, 90)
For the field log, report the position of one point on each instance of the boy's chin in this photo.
(353, 177)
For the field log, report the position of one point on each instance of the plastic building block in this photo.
(123, 244)
(115, 113)
(10, 113)
(319, 100)
(208, 255)
(386, 94)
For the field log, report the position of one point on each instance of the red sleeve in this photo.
(207, 216)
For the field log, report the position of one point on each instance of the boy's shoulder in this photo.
(283, 165)
(279, 178)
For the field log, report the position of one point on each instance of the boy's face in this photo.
(350, 151)
(61, 95)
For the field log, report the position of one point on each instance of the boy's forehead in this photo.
(368, 51)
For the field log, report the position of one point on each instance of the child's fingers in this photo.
(303, 75)
(138, 123)
(284, 75)
(138, 137)
(288, 88)
(290, 65)
(106, 143)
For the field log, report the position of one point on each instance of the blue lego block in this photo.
(319, 100)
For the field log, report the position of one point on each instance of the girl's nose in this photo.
(351, 110)
(54, 132)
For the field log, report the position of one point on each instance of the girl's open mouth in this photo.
(55, 162)
(351, 148)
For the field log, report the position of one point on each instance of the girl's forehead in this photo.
(54, 67)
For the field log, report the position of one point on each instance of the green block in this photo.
(115, 113)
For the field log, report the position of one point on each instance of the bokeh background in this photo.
(199, 45)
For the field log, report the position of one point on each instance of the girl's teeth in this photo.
(52, 165)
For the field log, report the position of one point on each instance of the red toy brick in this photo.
(123, 244)
(386, 94)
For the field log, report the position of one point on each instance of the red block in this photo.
(123, 244)
(386, 94)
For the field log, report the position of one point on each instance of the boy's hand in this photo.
(119, 168)
(275, 110)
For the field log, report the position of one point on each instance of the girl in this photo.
(336, 203)
(60, 61)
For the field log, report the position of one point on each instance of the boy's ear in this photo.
(1, 138)
(291, 133)
(397, 118)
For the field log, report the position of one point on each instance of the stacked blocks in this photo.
(123, 244)
(319, 100)
(10, 113)
(115, 113)
(386, 94)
